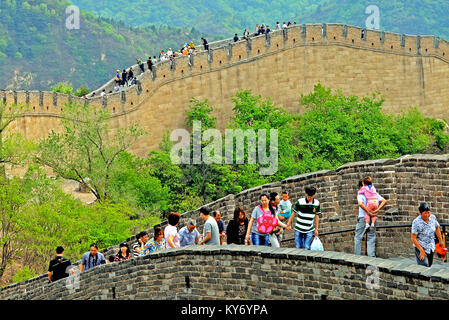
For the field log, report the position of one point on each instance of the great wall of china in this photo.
(232, 272)
(407, 70)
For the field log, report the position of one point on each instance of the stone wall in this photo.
(403, 182)
(241, 272)
(406, 70)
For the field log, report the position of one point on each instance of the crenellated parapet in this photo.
(226, 52)
(407, 70)
(335, 273)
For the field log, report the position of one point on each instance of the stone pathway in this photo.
(437, 262)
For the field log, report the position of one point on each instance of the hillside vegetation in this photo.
(226, 17)
(37, 50)
(134, 193)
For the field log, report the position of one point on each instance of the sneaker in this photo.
(371, 227)
(367, 226)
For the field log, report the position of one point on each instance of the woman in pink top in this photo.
(372, 203)
(171, 232)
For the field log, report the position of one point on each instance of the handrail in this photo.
(443, 233)
(377, 227)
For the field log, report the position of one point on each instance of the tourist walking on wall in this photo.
(57, 268)
(275, 201)
(171, 231)
(92, 258)
(211, 235)
(205, 44)
(307, 210)
(372, 203)
(142, 239)
(124, 253)
(150, 64)
(256, 30)
(141, 65)
(285, 211)
(156, 244)
(424, 228)
(117, 77)
(130, 75)
(237, 227)
(360, 227)
(124, 77)
(189, 235)
(220, 224)
(257, 238)
(259, 229)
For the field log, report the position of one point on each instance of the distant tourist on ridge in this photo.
(205, 44)
(124, 77)
(150, 64)
(117, 77)
(141, 65)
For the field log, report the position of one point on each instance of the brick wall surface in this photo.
(241, 272)
(403, 182)
(281, 66)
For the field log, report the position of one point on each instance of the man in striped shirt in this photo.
(307, 212)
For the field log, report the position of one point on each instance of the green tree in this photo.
(63, 87)
(81, 91)
(87, 150)
(13, 199)
(14, 149)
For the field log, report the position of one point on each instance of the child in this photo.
(286, 211)
(372, 204)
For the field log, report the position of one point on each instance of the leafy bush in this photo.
(23, 274)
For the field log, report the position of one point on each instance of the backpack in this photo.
(266, 222)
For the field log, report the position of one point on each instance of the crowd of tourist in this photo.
(265, 226)
(127, 78)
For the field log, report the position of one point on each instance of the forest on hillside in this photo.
(226, 17)
(37, 50)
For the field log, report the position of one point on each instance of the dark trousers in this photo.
(427, 261)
